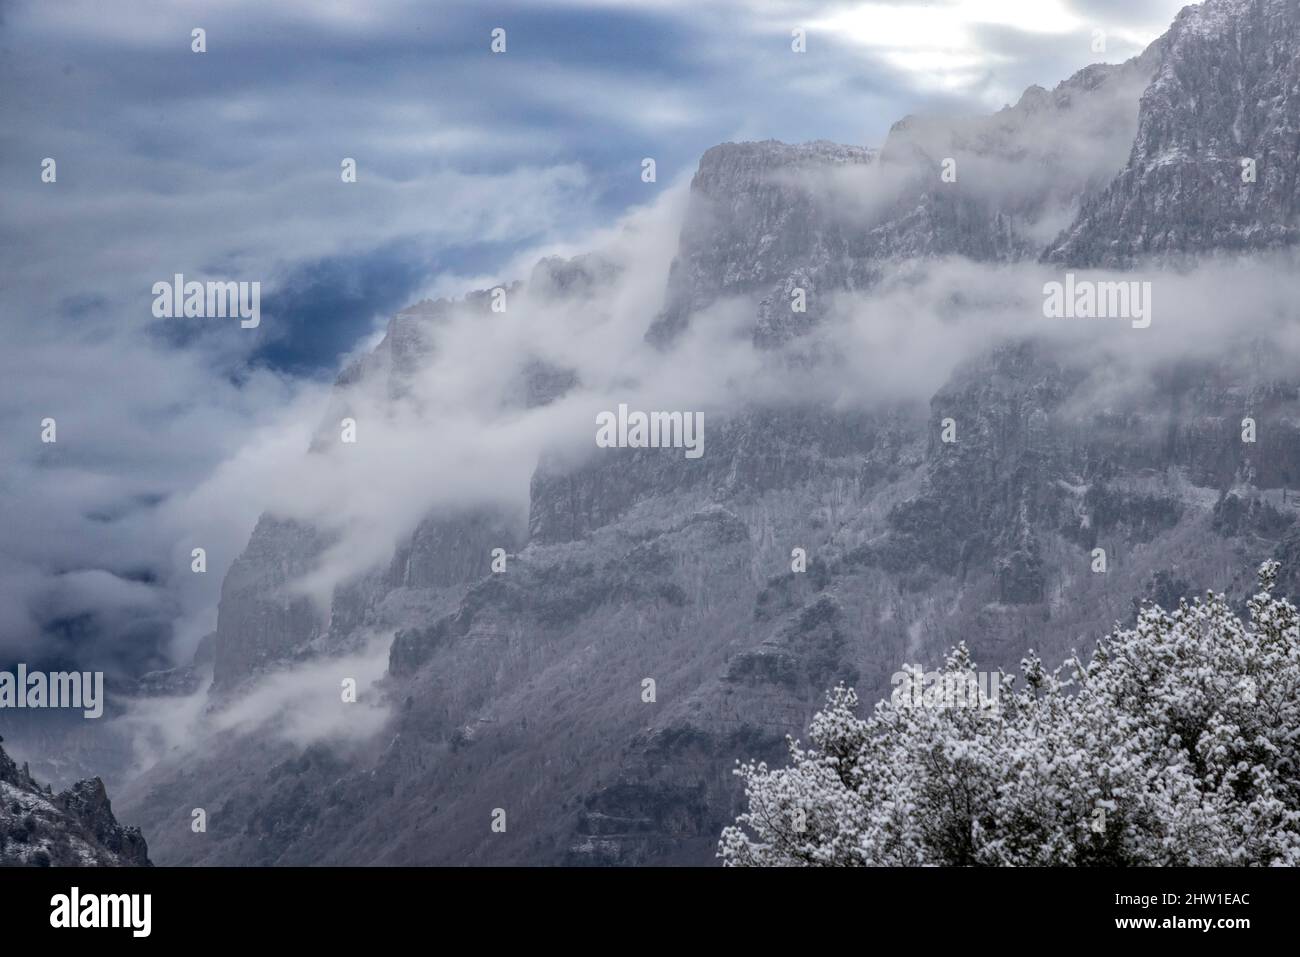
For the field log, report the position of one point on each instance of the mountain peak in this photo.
(1212, 164)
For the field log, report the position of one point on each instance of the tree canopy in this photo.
(1178, 743)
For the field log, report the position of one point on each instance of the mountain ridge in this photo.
(524, 690)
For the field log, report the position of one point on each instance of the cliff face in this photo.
(768, 218)
(260, 622)
(1224, 93)
(752, 226)
(74, 828)
(527, 690)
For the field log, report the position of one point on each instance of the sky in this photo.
(225, 164)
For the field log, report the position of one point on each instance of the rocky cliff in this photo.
(74, 828)
(652, 623)
(1222, 100)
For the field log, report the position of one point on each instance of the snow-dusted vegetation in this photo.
(1177, 744)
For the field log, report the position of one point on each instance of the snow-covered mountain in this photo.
(1224, 95)
(525, 691)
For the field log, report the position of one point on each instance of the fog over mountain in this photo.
(588, 638)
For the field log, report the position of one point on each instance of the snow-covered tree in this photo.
(1177, 744)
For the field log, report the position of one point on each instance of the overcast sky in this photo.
(226, 164)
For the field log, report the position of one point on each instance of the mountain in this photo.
(768, 217)
(525, 691)
(1224, 94)
(74, 828)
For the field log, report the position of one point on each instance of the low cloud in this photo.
(459, 438)
(301, 704)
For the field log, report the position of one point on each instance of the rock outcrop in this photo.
(74, 828)
(1214, 164)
